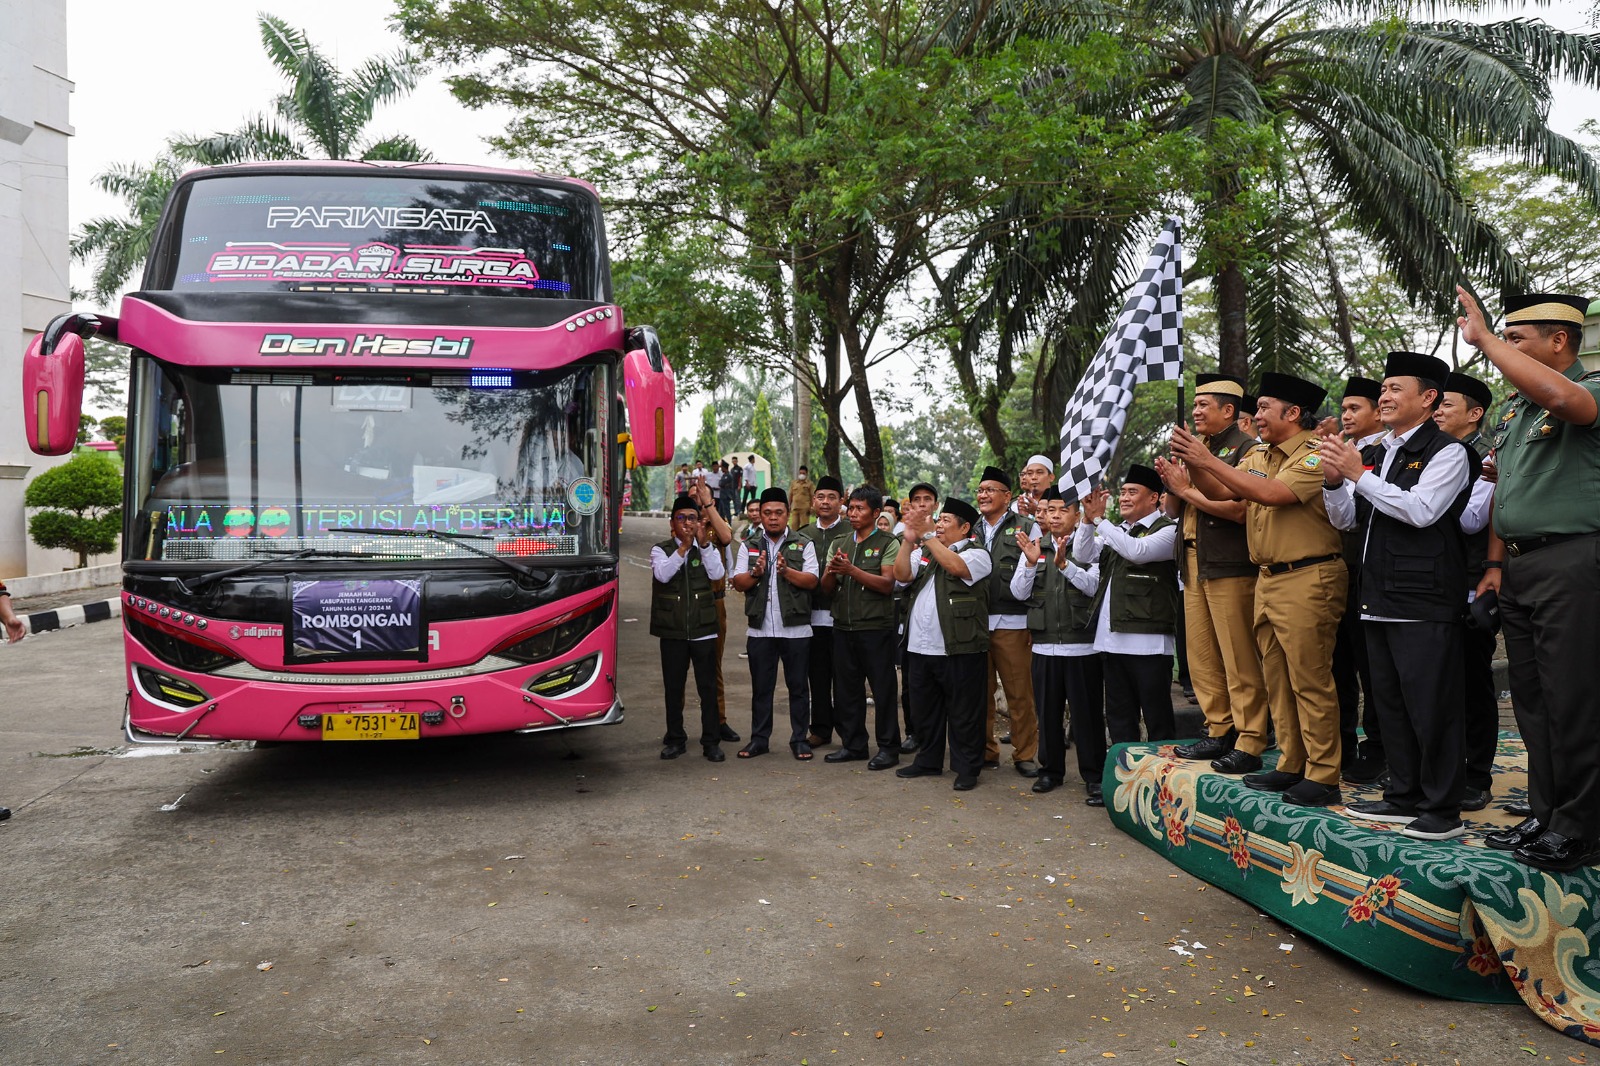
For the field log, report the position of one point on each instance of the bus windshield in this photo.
(226, 465)
(388, 231)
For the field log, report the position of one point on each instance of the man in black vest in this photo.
(1219, 593)
(859, 577)
(1414, 567)
(1135, 604)
(722, 536)
(947, 638)
(777, 572)
(1460, 414)
(823, 533)
(1362, 761)
(1010, 647)
(683, 614)
(1066, 668)
(925, 498)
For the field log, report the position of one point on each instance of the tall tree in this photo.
(708, 446)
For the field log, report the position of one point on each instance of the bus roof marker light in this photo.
(572, 327)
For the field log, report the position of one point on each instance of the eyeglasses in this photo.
(686, 518)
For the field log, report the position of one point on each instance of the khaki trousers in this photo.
(1011, 661)
(1219, 616)
(1297, 617)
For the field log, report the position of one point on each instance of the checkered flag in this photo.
(1146, 344)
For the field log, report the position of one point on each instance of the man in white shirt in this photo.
(1034, 478)
(1010, 646)
(777, 572)
(1363, 762)
(946, 575)
(683, 615)
(749, 483)
(1135, 605)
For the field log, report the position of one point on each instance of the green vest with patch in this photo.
(823, 542)
(684, 608)
(963, 608)
(857, 608)
(794, 603)
(1144, 598)
(1060, 613)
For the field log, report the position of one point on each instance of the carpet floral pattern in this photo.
(1453, 918)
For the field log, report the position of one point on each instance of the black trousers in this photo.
(765, 655)
(747, 494)
(676, 658)
(905, 686)
(820, 672)
(1416, 684)
(1482, 719)
(947, 698)
(1183, 651)
(1086, 686)
(1352, 678)
(1060, 683)
(1549, 615)
(1135, 683)
(861, 659)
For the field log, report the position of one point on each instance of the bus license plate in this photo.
(369, 727)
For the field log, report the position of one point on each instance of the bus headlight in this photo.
(564, 678)
(164, 688)
(556, 636)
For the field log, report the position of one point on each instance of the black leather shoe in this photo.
(991, 764)
(1311, 794)
(1237, 761)
(918, 771)
(1095, 798)
(1558, 854)
(672, 751)
(1524, 832)
(1207, 748)
(1005, 738)
(844, 755)
(964, 783)
(1475, 799)
(908, 746)
(714, 754)
(1046, 783)
(1518, 809)
(1272, 780)
(883, 760)
(5, 812)
(726, 734)
(1368, 767)
(1027, 768)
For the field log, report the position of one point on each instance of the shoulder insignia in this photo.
(1546, 429)
(1311, 462)
(1314, 443)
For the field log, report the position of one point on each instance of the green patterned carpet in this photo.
(1454, 918)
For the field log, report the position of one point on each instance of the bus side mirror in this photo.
(52, 391)
(650, 394)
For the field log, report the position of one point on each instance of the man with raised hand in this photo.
(1466, 402)
(1010, 647)
(1301, 584)
(1135, 603)
(711, 520)
(1414, 567)
(859, 576)
(1219, 593)
(777, 572)
(683, 615)
(1547, 452)
(1034, 478)
(925, 498)
(827, 530)
(1362, 760)
(946, 577)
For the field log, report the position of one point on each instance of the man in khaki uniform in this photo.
(1219, 592)
(1302, 582)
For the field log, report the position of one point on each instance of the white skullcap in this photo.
(1042, 461)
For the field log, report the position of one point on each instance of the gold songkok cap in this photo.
(1545, 309)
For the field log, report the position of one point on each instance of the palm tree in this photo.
(326, 112)
(1309, 115)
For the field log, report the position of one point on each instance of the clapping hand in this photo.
(1094, 508)
(916, 522)
(1343, 457)
(1175, 474)
(1188, 447)
(1030, 548)
(839, 565)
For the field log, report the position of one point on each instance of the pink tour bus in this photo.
(377, 432)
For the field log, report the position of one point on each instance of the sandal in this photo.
(750, 751)
(802, 750)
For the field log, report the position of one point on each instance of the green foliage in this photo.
(941, 446)
(761, 430)
(115, 427)
(86, 424)
(82, 501)
(707, 446)
(640, 476)
(890, 485)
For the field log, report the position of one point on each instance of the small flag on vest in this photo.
(1146, 344)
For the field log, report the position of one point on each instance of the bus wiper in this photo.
(273, 556)
(459, 540)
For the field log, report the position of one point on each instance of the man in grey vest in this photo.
(1135, 604)
(823, 533)
(947, 639)
(859, 576)
(1010, 647)
(777, 572)
(1413, 571)
(683, 614)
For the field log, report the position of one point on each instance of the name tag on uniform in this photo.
(1257, 473)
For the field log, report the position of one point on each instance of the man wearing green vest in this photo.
(777, 572)
(1066, 668)
(947, 639)
(1010, 647)
(683, 614)
(860, 579)
(826, 531)
(1135, 604)
(1547, 451)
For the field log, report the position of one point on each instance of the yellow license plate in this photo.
(369, 727)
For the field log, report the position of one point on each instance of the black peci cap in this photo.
(1306, 395)
(994, 473)
(1471, 388)
(1364, 388)
(1430, 369)
(961, 509)
(1143, 475)
(775, 495)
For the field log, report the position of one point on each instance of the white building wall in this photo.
(34, 95)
